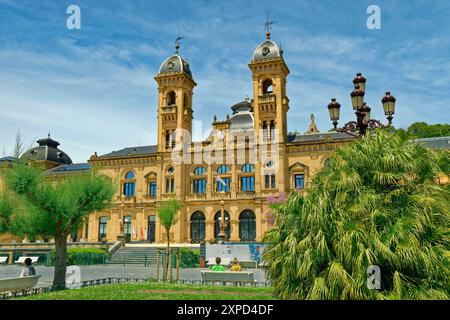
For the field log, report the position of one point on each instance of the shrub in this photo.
(189, 258)
(83, 256)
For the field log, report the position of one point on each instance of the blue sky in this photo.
(93, 88)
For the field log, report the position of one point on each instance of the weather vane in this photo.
(268, 25)
(177, 41)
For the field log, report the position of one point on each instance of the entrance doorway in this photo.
(151, 229)
(127, 228)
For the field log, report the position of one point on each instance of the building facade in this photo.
(254, 158)
(248, 159)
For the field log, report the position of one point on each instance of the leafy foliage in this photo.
(36, 206)
(424, 130)
(189, 258)
(83, 256)
(376, 203)
(168, 213)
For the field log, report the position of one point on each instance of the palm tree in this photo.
(378, 203)
(168, 216)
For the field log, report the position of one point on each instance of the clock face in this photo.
(265, 51)
(170, 64)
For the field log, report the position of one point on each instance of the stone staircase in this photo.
(145, 256)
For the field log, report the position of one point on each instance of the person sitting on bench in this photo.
(28, 270)
(218, 266)
(235, 265)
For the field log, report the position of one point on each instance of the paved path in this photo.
(109, 271)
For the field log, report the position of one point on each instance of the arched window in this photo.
(170, 180)
(272, 130)
(174, 138)
(247, 226)
(199, 171)
(265, 135)
(130, 175)
(248, 168)
(198, 227)
(167, 139)
(171, 98)
(267, 86)
(223, 169)
(217, 219)
(199, 185)
(248, 181)
(129, 186)
(223, 182)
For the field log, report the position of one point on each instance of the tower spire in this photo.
(268, 24)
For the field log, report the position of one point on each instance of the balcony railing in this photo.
(220, 195)
(123, 199)
(169, 109)
(196, 196)
(245, 195)
(267, 98)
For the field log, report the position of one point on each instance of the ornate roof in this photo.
(242, 119)
(175, 64)
(267, 50)
(47, 151)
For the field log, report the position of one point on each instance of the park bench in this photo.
(18, 284)
(3, 260)
(224, 262)
(21, 260)
(228, 276)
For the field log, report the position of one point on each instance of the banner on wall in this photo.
(243, 252)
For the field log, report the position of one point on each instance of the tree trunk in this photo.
(59, 279)
(166, 267)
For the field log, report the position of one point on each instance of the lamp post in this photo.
(222, 236)
(362, 110)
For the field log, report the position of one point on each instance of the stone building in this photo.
(248, 158)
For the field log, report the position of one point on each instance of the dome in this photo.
(267, 50)
(242, 119)
(47, 151)
(175, 64)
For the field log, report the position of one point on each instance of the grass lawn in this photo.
(159, 291)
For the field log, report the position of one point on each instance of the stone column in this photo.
(234, 232)
(209, 235)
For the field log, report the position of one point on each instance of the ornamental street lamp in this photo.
(362, 110)
(222, 236)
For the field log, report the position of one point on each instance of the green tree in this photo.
(168, 216)
(36, 206)
(376, 203)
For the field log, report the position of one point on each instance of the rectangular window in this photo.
(248, 183)
(170, 185)
(199, 186)
(129, 189)
(102, 227)
(152, 189)
(220, 187)
(299, 181)
(270, 181)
